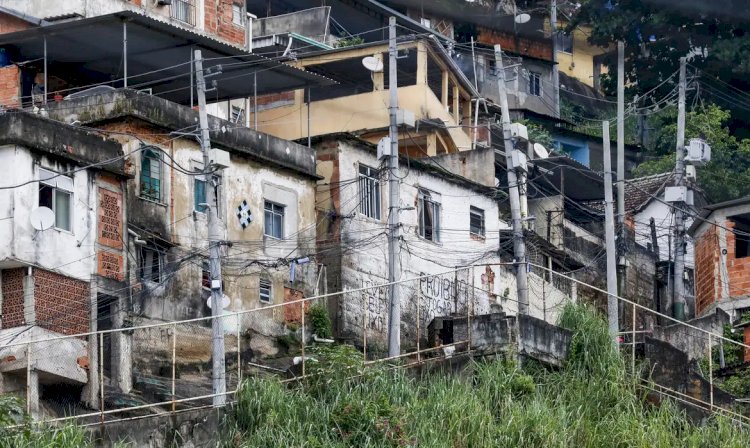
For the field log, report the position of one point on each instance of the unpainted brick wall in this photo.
(61, 303)
(218, 21)
(10, 83)
(10, 24)
(12, 286)
(738, 268)
(706, 261)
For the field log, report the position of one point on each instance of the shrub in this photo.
(321, 323)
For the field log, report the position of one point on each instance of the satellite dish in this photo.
(224, 301)
(540, 151)
(373, 64)
(42, 218)
(522, 18)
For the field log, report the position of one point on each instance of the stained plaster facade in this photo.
(357, 247)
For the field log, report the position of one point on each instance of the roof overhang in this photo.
(159, 57)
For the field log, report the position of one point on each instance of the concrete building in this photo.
(220, 19)
(270, 180)
(722, 258)
(430, 86)
(455, 215)
(59, 274)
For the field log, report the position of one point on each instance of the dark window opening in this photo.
(151, 263)
(741, 236)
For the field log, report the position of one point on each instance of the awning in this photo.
(158, 57)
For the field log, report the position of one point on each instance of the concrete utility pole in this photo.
(519, 246)
(621, 167)
(394, 201)
(555, 68)
(218, 373)
(678, 307)
(613, 310)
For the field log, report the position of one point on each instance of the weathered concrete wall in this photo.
(517, 83)
(363, 258)
(191, 428)
(470, 165)
(693, 342)
(312, 23)
(543, 341)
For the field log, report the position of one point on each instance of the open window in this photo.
(56, 193)
(369, 191)
(265, 291)
(476, 222)
(535, 84)
(151, 263)
(429, 215)
(151, 175)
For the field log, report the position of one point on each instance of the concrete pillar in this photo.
(1, 316)
(456, 102)
(378, 81)
(122, 351)
(444, 90)
(90, 394)
(421, 64)
(29, 315)
(33, 393)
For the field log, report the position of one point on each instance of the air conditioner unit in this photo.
(519, 131)
(698, 152)
(218, 158)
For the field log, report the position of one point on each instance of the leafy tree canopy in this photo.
(727, 176)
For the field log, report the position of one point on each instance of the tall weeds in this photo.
(591, 402)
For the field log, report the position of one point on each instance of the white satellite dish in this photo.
(42, 218)
(540, 151)
(224, 301)
(373, 64)
(522, 18)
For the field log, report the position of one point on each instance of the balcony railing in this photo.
(183, 10)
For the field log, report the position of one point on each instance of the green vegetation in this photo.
(349, 42)
(727, 176)
(321, 323)
(590, 402)
(63, 436)
(737, 384)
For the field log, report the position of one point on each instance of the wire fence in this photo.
(166, 366)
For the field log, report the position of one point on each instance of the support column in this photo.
(421, 64)
(32, 384)
(125, 53)
(90, 394)
(378, 78)
(122, 344)
(444, 90)
(29, 314)
(456, 99)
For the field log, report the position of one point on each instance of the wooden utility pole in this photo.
(519, 246)
(218, 373)
(678, 307)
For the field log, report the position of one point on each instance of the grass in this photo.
(591, 402)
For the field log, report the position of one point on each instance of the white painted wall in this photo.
(365, 263)
(68, 253)
(664, 220)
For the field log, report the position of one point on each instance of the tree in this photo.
(727, 176)
(656, 33)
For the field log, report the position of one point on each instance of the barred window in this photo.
(369, 191)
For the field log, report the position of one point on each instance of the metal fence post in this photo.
(174, 364)
(711, 371)
(632, 341)
(419, 332)
(302, 309)
(101, 376)
(239, 360)
(471, 306)
(364, 326)
(28, 378)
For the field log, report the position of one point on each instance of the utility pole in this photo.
(519, 246)
(218, 374)
(621, 244)
(555, 68)
(613, 309)
(678, 307)
(394, 201)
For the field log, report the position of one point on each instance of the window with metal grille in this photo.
(183, 10)
(369, 191)
(199, 194)
(56, 193)
(429, 215)
(151, 263)
(151, 175)
(273, 220)
(238, 114)
(265, 291)
(476, 221)
(535, 83)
